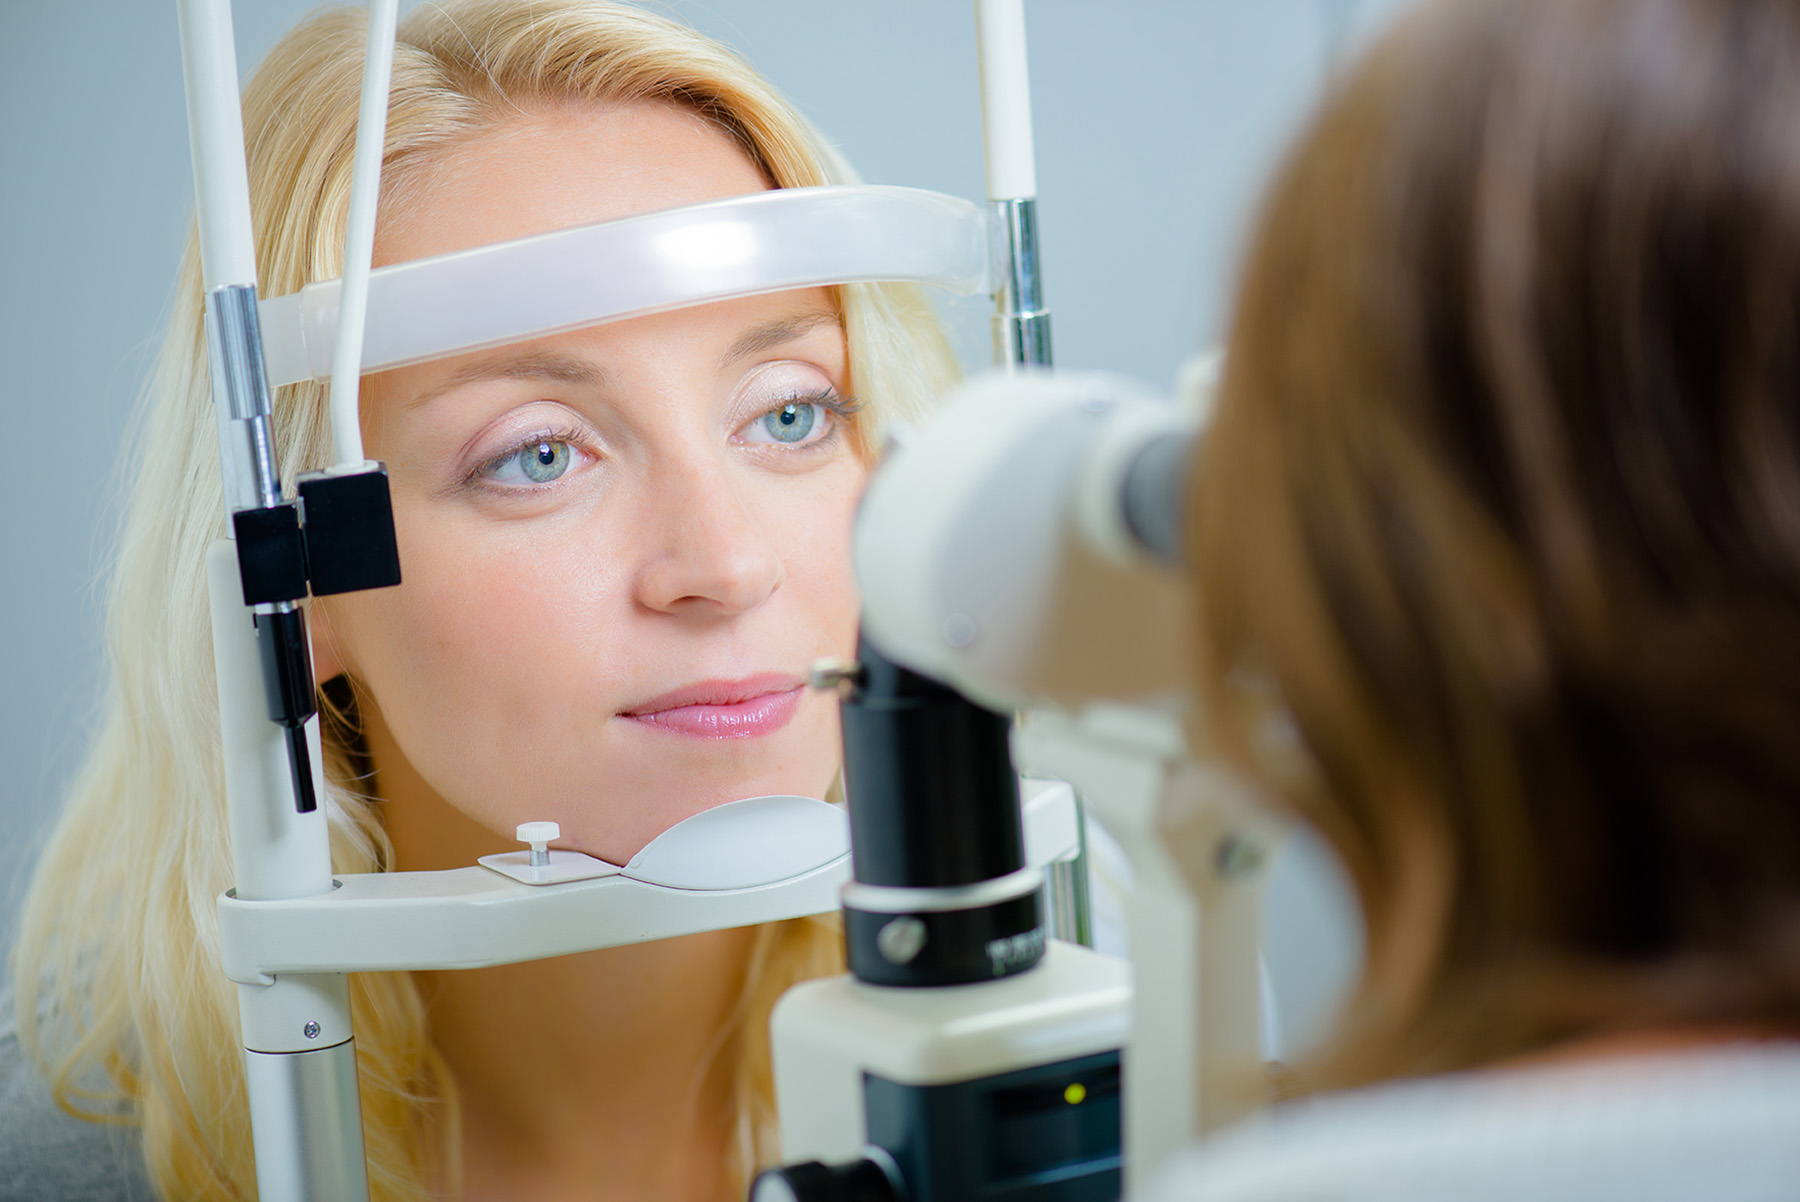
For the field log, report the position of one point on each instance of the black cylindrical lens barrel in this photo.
(934, 801)
(942, 894)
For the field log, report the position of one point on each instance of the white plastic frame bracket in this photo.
(476, 917)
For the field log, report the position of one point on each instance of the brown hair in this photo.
(1501, 506)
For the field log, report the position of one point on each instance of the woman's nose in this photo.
(712, 555)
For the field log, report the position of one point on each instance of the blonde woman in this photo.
(620, 546)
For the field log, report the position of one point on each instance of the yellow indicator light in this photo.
(1075, 1094)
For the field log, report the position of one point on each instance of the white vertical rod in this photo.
(1005, 99)
(216, 135)
(276, 852)
(359, 237)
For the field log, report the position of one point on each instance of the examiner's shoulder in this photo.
(1721, 1124)
(47, 1155)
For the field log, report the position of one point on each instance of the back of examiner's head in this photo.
(1501, 508)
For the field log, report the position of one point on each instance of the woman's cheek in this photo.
(821, 550)
(511, 604)
(425, 640)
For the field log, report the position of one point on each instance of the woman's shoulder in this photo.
(49, 1155)
(1721, 1124)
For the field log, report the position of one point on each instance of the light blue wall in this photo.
(1156, 121)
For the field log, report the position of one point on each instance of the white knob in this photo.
(539, 835)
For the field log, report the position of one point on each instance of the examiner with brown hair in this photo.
(1502, 503)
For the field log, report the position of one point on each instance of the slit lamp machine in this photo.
(1021, 650)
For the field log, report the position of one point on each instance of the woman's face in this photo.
(621, 546)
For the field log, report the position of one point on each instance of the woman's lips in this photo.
(723, 709)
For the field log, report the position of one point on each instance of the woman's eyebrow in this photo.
(772, 334)
(523, 365)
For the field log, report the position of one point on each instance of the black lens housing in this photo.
(934, 826)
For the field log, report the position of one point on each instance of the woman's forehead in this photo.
(553, 168)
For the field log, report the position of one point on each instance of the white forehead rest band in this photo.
(742, 246)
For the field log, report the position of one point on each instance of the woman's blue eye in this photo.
(792, 422)
(544, 462)
(538, 463)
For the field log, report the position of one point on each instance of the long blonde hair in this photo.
(116, 964)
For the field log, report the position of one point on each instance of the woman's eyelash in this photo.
(826, 398)
(493, 462)
(843, 411)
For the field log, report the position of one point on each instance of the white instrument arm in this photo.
(1004, 546)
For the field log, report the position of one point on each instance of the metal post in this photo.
(1021, 320)
(299, 1059)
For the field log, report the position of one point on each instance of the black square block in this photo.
(271, 554)
(349, 531)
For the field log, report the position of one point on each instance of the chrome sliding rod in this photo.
(1021, 322)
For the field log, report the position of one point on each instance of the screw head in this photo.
(831, 672)
(310, 1030)
(901, 940)
(960, 630)
(537, 832)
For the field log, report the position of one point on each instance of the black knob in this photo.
(810, 1181)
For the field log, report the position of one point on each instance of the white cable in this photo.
(359, 237)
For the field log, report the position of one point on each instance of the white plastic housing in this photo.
(741, 246)
(1195, 1057)
(826, 1034)
(984, 557)
(300, 1012)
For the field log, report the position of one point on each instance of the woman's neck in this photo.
(594, 1076)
